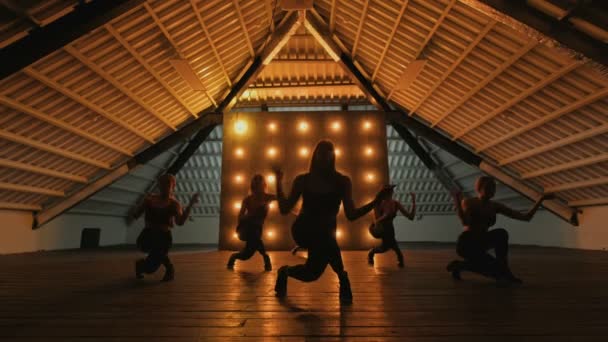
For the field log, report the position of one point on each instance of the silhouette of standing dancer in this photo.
(385, 212)
(322, 190)
(251, 221)
(162, 211)
(477, 216)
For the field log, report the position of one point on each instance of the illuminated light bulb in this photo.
(270, 179)
(367, 125)
(336, 125)
(240, 127)
(239, 152)
(337, 152)
(272, 152)
(238, 179)
(237, 205)
(369, 151)
(303, 126)
(272, 127)
(370, 177)
(303, 152)
(272, 205)
(235, 235)
(338, 233)
(270, 233)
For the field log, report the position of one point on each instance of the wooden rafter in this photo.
(359, 28)
(489, 26)
(31, 189)
(106, 76)
(270, 12)
(41, 170)
(237, 7)
(577, 185)
(148, 67)
(520, 97)
(389, 40)
(589, 202)
(332, 16)
(48, 148)
(603, 157)
(19, 206)
(556, 144)
(506, 64)
(547, 118)
(84, 102)
(211, 43)
(58, 123)
(165, 32)
(428, 37)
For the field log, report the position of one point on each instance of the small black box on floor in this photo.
(90, 238)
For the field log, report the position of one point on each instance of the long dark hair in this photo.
(321, 165)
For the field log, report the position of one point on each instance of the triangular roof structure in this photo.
(492, 90)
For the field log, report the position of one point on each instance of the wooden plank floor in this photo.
(92, 296)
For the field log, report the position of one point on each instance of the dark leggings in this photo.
(473, 248)
(320, 254)
(251, 246)
(159, 253)
(387, 244)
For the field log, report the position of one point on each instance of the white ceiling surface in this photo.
(538, 113)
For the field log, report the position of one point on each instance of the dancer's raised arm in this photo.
(352, 213)
(182, 216)
(518, 215)
(411, 214)
(459, 203)
(287, 203)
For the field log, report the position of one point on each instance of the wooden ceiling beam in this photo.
(48, 148)
(19, 206)
(84, 102)
(41, 170)
(60, 124)
(31, 189)
(237, 8)
(359, 28)
(547, 118)
(587, 134)
(480, 85)
(577, 185)
(389, 40)
(520, 97)
(589, 202)
(600, 158)
(41, 42)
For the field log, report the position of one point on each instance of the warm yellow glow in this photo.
(240, 127)
(303, 126)
(338, 233)
(235, 235)
(272, 205)
(303, 151)
(237, 205)
(272, 126)
(272, 152)
(239, 152)
(239, 179)
(270, 234)
(337, 152)
(270, 179)
(336, 126)
(369, 151)
(367, 125)
(370, 177)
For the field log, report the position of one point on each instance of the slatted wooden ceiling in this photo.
(527, 106)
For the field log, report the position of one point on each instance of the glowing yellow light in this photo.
(272, 127)
(235, 235)
(338, 233)
(336, 125)
(239, 152)
(272, 152)
(272, 205)
(303, 126)
(270, 233)
(270, 179)
(239, 179)
(240, 127)
(303, 152)
(369, 151)
(337, 152)
(367, 125)
(370, 177)
(237, 205)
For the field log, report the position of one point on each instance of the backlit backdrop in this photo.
(253, 142)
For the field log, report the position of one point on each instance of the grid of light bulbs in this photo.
(302, 127)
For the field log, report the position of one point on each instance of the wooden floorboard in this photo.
(93, 296)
